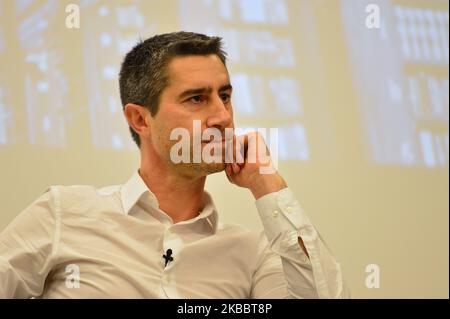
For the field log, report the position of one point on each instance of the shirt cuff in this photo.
(280, 213)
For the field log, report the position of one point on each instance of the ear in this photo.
(138, 118)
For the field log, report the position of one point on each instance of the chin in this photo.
(213, 168)
(200, 169)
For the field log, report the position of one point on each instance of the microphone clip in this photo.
(168, 257)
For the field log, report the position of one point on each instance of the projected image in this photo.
(6, 114)
(281, 98)
(6, 117)
(45, 85)
(401, 75)
(400, 72)
(111, 29)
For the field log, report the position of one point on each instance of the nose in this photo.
(221, 114)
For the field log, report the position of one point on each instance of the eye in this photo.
(197, 99)
(225, 97)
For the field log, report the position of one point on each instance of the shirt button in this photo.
(289, 209)
(275, 213)
(166, 279)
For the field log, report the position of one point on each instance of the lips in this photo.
(216, 141)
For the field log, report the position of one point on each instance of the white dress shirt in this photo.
(83, 242)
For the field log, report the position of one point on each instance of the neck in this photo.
(180, 197)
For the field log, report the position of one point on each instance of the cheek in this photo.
(160, 135)
(162, 132)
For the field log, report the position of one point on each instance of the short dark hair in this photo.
(143, 73)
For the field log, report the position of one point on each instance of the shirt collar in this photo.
(135, 189)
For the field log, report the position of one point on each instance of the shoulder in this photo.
(82, 198)
(70, 193)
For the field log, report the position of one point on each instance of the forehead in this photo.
(198, 71)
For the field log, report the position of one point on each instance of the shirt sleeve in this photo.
(318, 276)
(26, 249)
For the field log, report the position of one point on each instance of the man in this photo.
(158, 235)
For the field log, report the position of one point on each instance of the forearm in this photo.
(310, 269)
(269, 184)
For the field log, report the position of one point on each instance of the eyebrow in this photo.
(204, 90)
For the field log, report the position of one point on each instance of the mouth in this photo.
(214, 142)
(217, 142)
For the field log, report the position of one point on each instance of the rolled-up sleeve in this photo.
(318, 276)
(26, 249)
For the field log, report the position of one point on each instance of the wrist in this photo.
(266, 184)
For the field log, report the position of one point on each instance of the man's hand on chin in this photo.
(252, 166)
(260, 175)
